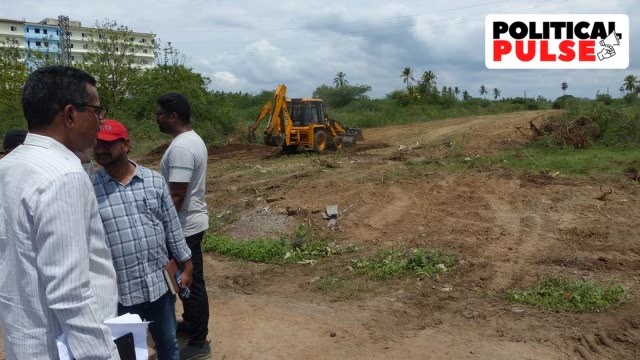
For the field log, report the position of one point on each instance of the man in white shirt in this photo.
(184, 168)
(59, 276)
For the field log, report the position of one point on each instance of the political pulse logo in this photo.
(557, 41)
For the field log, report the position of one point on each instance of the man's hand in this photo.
(187, 274)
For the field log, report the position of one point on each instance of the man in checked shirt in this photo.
(142, 230)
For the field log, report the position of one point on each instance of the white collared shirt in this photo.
(57, 273)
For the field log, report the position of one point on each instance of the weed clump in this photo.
(562, 294)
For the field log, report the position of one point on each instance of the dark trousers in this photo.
(162, 326)
(196, 307)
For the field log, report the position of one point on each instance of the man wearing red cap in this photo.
(143, 231)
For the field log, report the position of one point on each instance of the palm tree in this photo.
(429, 78)
(407, 76)
(483, 91)
(456, 91)
(496, 94)
(564, 87)
(465, 95)
(339, 80)
(630, 83)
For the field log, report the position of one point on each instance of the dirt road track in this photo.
(508, 228)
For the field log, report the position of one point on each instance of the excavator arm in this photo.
(266, 110)
(279, 123)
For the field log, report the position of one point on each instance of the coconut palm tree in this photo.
(483, 91)
(630, 83)
(496, 94)
(465, 95)
(339, 80)
(456, 91)
(564, 87)
(407, 76)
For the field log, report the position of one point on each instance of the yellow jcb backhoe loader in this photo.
(301, 124)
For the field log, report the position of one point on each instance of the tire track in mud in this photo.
(620, 343)
(515, 243)
(379, 213)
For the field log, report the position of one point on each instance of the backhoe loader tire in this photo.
(338, 143)
(319, 141)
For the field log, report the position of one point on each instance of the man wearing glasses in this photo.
(59, 276)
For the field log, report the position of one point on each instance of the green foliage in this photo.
(564, 101)
(259, 250)
(342, 95)
(562, 294)
(395, 263)
(619, 123)
(548, 158)
(303, 247)
(13, 74)
(111, 61)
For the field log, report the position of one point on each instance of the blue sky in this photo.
(255, 45)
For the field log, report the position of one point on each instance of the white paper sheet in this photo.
(121, 325)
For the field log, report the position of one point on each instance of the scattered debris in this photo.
(331, 214)
(328, 164)
(577, 133)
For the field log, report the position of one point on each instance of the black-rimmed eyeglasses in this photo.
(101, 112)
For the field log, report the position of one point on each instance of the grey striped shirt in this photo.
(57, 270)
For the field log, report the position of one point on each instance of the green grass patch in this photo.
(562, 294)
(396, 263)
(566, 161)
(304, 246)
(257, 250)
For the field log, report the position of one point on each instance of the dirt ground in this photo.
(509, 229)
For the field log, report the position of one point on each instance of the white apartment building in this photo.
(45, 36)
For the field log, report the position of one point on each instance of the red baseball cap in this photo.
(112, 130)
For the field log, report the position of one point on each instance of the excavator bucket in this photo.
(351, 136)
(356, 133)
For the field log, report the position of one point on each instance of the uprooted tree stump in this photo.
(577, 133)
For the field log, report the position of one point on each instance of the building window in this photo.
(44, 31)
(132, 50)
(13, 28)
(144, 51)
(145, 62)
(117, 49)
(132, 39)
(85, 46)
(37, 31)
(84, 34)
(37, 43)
(28, 43)
(14, 42)
(73, 57)
(72, 46)
(143, 40)
(57, 32)
(46, 43)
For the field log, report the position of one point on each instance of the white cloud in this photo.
(255, 45)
